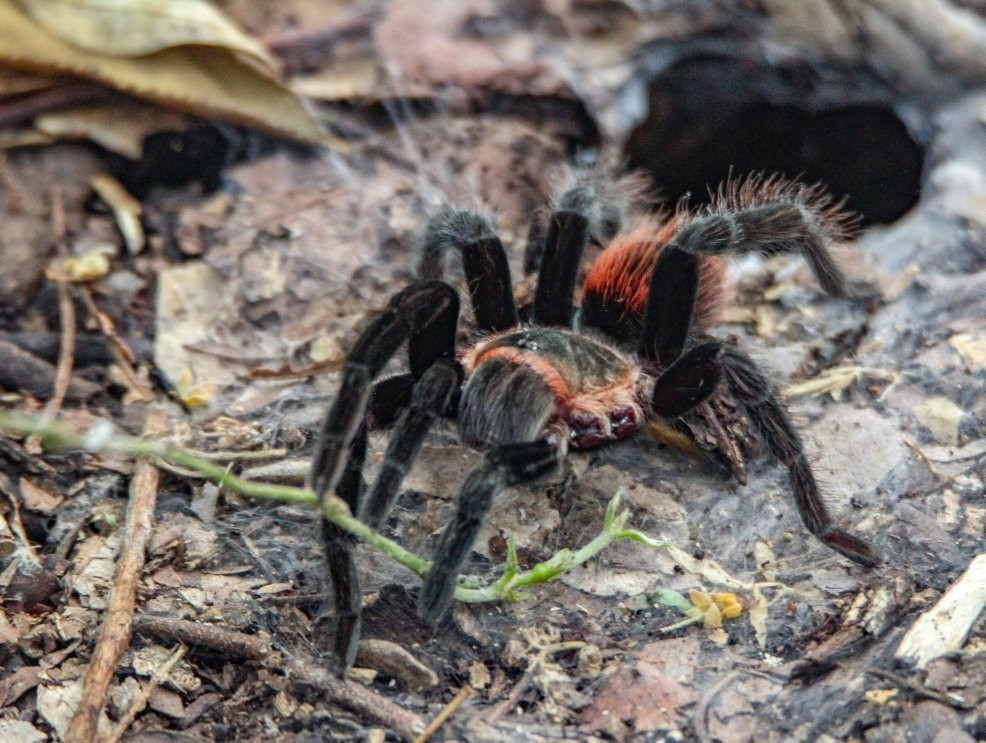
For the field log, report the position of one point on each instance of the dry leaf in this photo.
(479, 675)
(880, 697)
(209, 81)
(836, 380)
(148, 660)
(941, 417)
(119, 127)
(57, 705)
(765, 560)
(832, 381)
(18, 731)
(126, 210)
(37, 499)
(131, 28)
(971, 347)
(758, 616)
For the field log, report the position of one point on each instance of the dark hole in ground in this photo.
(711, 116)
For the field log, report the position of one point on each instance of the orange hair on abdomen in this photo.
(622, 272)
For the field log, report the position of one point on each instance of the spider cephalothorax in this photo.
(568, 377)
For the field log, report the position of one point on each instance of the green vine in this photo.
(510, 586)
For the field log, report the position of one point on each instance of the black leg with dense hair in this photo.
(484, 263)
(771, 216)
(425, 314)
(688, 382)
(341, 558)
(781, 438)
(670, 306)
(429, 400)
(564, 243)
(502, 466)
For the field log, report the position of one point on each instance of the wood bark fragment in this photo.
(23, 371)
(228, 642)
(238, 645)
(944, 627)
(358, 698)
(115, 636)
(393, 660)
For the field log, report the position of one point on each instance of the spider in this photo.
(567, 377)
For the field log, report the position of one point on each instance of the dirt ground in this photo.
(225, 332)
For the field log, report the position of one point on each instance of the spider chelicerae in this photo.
(565, 377)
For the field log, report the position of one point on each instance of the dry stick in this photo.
(66, 353)
(927, 462)
(125, 358)
(464, 693)
(354, 696)
(115, 636)
(22, 370)
(160, 674)
(238, 645)
(229, 643)
(66, 314)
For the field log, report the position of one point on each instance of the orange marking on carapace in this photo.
(545, 369)
(623, 270)
(570, 397)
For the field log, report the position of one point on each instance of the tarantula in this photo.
(527, 392)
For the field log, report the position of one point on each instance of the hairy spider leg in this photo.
(484, 262)
(504, 465)
(771, 420)
(425, 314)
(564, 242)
(670, 305)
(618, 285)
(771, 216)
(430, 399)
(689, 381)
(340, 556)
(428, 341)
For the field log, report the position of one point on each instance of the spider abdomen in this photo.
(615, 289)
(593, 387)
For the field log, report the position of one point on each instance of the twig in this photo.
(16, 196)
(7, 487)
(354, 696)
(519, 688)
(115, 636)
(927, 462)
(239, 456)
(121, 351)
(229, 643)
(22, 370)
(73, 93)
(396, 662)
(952, 700)
(66, 315)
(160, 674)
(944, 627)
(447, 711)
(241, 646)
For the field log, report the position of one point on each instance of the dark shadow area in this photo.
(709, 117)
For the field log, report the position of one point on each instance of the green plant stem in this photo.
(510, 586)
